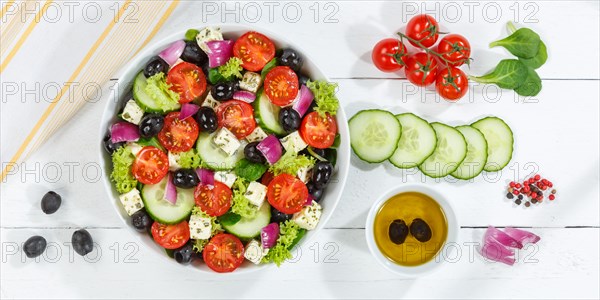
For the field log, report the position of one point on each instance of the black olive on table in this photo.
(322, 173)
(185, 254)
(156, 65)
(34, 246)
(223, 91)
(420, 230)
(291, 58)
(185, 178)
(316, 192)
(82, 242)
(289, 119)
(51, 202)
(207, 119)
(141, 221)
(151, 125)
(279, 217)
(398, 231)
(109, 146)
(193, 54)
(253, 155)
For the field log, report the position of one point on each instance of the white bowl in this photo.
(126, 76)
(439, 259)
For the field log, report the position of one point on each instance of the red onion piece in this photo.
(502, 238)
(269, 235)
(219, 52)
(302, 104)
(170, 190)
(124, 132)
(245, 96)
(522, 236)
(495, 251)
(271, 148)
(173, 52)
(206, 176)
(188, 110)
(309, 200)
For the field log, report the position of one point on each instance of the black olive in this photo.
(302, 79)
(207, 119)
(253, 155)
(82, 242)
(398, 232)
(185, 254)
(322, 173)
(51, 202)
(222, 91)
(420, 230)
(141, 221)
(279, 217)
(193, 54)
(289, 57)
(151, 125)
(34, 246)
(312, 107)
(289, 119)
(185, 178)
(154, 66)
(109, 146)
(316, 192)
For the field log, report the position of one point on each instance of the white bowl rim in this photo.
(343, 152)
(436, 262)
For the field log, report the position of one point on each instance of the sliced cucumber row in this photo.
(374, 134)
(416, 144)
(450, 151)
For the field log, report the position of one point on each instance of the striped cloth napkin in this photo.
(117, 44)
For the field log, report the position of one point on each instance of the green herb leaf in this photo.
(268, 67)
(249, 170)
(523, 43)
(232, 68)
(532, 84)
(121, 175)
(508, 74)
(539, 59)
(215, 77)
(191, 34)
(325, 98)
(153, 141)
(229, 218)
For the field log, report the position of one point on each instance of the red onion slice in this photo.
(502, 238)
(495, 251)
(271, 148)
(269, 235)
(173, 52)
(170, 190)
(124, 132)
(188, 110)
(206, 176)
(219, 52)
(522, 236)
(245, 96)
(302, 104)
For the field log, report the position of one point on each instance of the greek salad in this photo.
(224, 149)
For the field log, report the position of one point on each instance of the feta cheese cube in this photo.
(305, 173)
(211, 102)
(208, 34)
(227, 141)
(134, 147)
(132, 112)
(257, 135)
(173, 161)
(293, 142)
(254, 252)
(309, 216)
(200, 227)
(132, 201)
(227, 178)
(251, 82)
(256, 193)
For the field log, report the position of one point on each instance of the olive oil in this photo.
(409, 206)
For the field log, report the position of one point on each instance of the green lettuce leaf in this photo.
(121, 175)
(325, 98)
(288, 232)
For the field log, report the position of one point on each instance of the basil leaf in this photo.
(229, 219)
(268, 67)
(508, 74)
(532, 84)
(539, 59)
(523, 43)
(153, 141)
(215, 77)
(249, 170)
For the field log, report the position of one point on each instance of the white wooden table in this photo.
(557, 133)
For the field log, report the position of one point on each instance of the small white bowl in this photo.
(435, 262)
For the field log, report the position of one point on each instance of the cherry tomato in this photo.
(237, 116)
(178, 135)
(421, 69)
(281, 85)
(451, 83)
(319, 132)
(387, 53)
(424, 29)
(455, 49)
(150, 165)
(254, 49)
(188, 81)
(215, 200)
(287, 193)
(224, 253)
(171, 236)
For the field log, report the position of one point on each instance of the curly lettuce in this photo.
(160, 91)
(189, 160)
(290, 163)
(325, 98)
(288, 232)
(216, 228)
(240, 204)
(121, 175)
(232, 68)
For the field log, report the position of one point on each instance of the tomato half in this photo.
(424, 29)
(455, 49)
(224, 253)
(150, 165)
(388, 53)
(287, 193)
(421, 69)
(187, 80)
(319, 132)
(237, 116)
(254, 49)
(178, 135)
(171, 236)
(451, 84)
(215, 200)
(281, 85)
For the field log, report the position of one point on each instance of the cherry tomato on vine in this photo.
(387, 53)
(451, 83)
(421, 69)
(455, 49)
(424, 29)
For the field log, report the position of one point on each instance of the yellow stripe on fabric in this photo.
(5, 8)
(15, 26)
(158, 25)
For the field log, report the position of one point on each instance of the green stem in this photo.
(427, 50)
(511, 27)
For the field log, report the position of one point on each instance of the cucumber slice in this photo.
(163, 211)
(500, 142)
(213, 157)
(476, 153)
(374, 134)
(416, 143)
(267, 114)
(249, 228)
(450, 151)
(162, 104)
